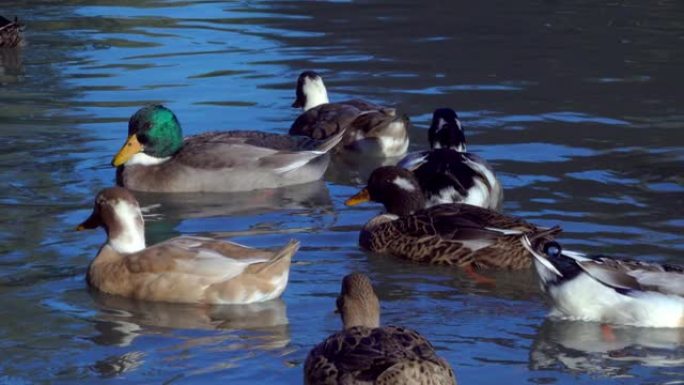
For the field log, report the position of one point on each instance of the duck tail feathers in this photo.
(286, 252)
(328, 144)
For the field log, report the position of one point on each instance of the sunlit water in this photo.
(577, 105)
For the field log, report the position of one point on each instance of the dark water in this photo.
(578, 105)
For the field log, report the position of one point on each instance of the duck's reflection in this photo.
(196, 205)
(120, 320)
(11, 66)
(354, 169)
(588, 347)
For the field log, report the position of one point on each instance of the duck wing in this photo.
(323, 121)
(626, 275)
(245, 149)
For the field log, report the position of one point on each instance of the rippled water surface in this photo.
(578, 105)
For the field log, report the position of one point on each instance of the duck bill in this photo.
(540, 257)
(130, 148)
(297, 103)
(92, 222)
(361, 197)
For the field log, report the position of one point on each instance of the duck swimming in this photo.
(366, 353)
(610, 290)
(371, 129)
(186, 269)
(447, 173)
(452, 234)
(157, 158)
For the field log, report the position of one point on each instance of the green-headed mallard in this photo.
(183, 269)
(366, 353)
(451, 234)
(449, 174)
(10, 32)
(610, 290)
(371, 129)
(157, 158)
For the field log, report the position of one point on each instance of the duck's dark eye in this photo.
(552, 249)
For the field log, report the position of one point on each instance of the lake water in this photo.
(578, 106)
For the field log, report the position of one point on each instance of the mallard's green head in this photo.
(153, 130)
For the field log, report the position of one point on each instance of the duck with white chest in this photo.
(186, 269)
(447, 173)
(609, 290)
(371, 129)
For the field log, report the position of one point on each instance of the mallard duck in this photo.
(610, 290)
(449, 174)
(10, 32)
(366, 353)
(451, 234)
(155, 157)
(371, 129)
(186, 269)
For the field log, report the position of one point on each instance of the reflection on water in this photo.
(585, 347)
(577, 105)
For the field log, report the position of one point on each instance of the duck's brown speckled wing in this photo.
(361, 355)
(325, 120)
(453, 234)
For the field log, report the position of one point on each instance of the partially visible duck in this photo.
(186, 269)
(609, 290)
(452, 234)
(371, 129)
(366, 353)
(10, 32)
(157, 158)
(448, 173)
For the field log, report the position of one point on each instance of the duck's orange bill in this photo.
(92, 222)
(130, 148)
(360, 197)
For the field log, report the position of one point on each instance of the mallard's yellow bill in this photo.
(360, 197)
(130, 148)
(92, 222)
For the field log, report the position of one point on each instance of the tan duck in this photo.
(450, 234)
(185, 269)
(366, 353)
(370, 129)
(156, 158)
(10, 32)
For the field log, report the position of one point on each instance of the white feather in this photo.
(132, 236)
(404, 184)
(143, 159)
(315, 92)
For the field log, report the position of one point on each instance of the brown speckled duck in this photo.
(10, 32)
(450, 234)
(366, 353)
(156, 157)
(186, 269)
(370, 129)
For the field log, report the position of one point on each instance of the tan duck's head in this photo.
(311, 91)
(154, 135)
(117, 210)
(357, 303)
(446, 130)
(395, 187)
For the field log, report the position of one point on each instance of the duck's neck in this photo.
(316, 94)
(126, 232)
(143, 159)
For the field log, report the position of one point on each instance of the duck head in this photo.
(311, 91)
(154, 134)
(357, 303)
(117, 210)
(395, 187)
(446, 130)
